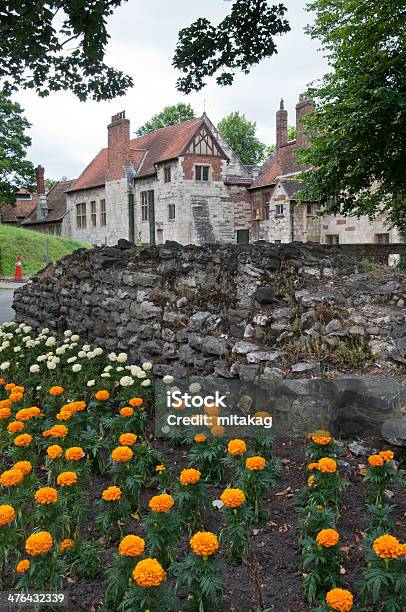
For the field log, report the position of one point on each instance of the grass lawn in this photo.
(31, 247)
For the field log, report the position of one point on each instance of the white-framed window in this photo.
(279, 210)
(171, 212)
(382, 238)
(93, 213)
(103, 213)
(144, 206)
(81, 215)
(202, 173)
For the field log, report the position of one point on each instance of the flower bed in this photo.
(205, 524)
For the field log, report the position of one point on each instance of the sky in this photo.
(66, 133)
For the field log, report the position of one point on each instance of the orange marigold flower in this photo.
(75, 453)
(56, 390)
(402, 550)
(321, 437)
(200, 438)
(78, 406)
(22, 566)
(327, 538)
(131, 546)
(327, 465)
(39, 543)
(122, 454)
(313, 466)
(340, 600)
(11, 478)
(102, 395)
(217, 430)
(212, 410)
(64, 415)
(255, 464)
(5, 413)
(24, 466)
(111, 494)
(160, 468)
(5, 403)
(23, 440)
(1, 381)
(189, 476)
(161, 503)
(387, 455)
(66, 544)
(236, 447)
(9, 386)
(204, 543)
(149, 573)
(126, 411)
(18, 389)
(54, 451)
(376, 460)
(7, 514)
(46, 495)
(136, 401)
(387, 547)
(15, 397)
(15, 426)
(67, 479)
(128, 439)
(232, 498)
(262, 414)
(57, 431)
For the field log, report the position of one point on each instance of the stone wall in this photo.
(326, 337)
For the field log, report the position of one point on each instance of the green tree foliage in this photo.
(240, 135)
(15, 170)
(358, 131)
(239, 42)
(291, 132)
(170, 115)
(53, 45)
(270, 149)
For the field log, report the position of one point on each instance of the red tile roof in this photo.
(282, 162)
(10, 213)
(145, 151)
(56, 201)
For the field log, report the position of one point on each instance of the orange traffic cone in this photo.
(18, 276)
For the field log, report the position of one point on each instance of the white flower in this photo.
(119, 369)
(27, 329)
(146, 383)
(26, 339)
(67, 333)
(45, 331)
(105, 375)
(71, 360)
(98, 351)
(76, 367)
(38, 388)
(108, 368)
(5, 365)
(122, 357)
(86, 348)
(126, 381)
(5, 344)
(60, 350)
(73, 345)
(17, 349)
(42, 358)
(82, 354)
(112, 357)
(51, 341)
(51, 365)
(91, 355)
(168, 380)
(195, 388)
(135, 370)
(55, 360)
(147, 366)
(34, 369)
(74, 338)
(91, 383)
(141, 374)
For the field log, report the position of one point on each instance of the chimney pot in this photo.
(305, 106)
(118, 146)
(40, 176)
(281, 126)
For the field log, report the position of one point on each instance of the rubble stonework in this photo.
(324, 329)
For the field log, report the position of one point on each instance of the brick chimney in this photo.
(281, 126)
(40, 175)
(118, 146)
(42, 205)
(305, 106)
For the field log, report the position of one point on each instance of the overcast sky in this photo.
(67, 134)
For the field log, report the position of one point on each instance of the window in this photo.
(167, 174)
(382, 238)
(171, 212)
(93, 214)
(103, 214)
(332, 239)
(202, 173)
(23, 196)
(310, 209)
(147, 201)
(279, 210)
(81, 215)
(277, 242)
(265, 206)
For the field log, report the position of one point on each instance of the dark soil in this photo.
(271, 579)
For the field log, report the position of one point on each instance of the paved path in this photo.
(6, 300)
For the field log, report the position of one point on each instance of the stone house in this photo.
(179, 183)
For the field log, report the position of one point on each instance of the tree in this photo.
(170, 115)
(270, 149)
(291, 132)
(52, 45)
(15, 170)
(240, 135)
(239, 42)
(358, 132)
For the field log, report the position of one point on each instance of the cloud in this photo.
(67, 133)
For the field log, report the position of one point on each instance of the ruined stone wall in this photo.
(327, 337)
